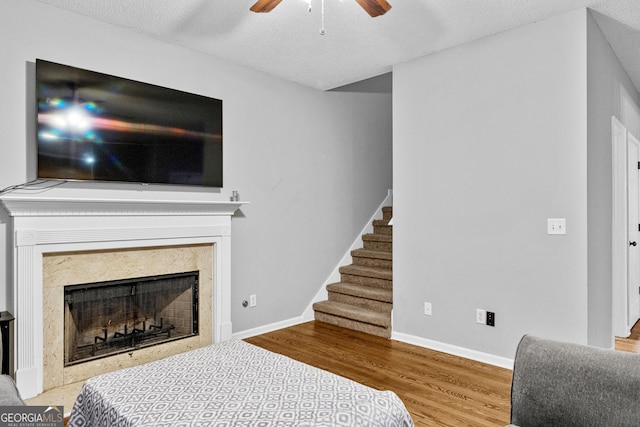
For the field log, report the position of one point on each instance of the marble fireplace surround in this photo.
(61, 269)
(60, 219)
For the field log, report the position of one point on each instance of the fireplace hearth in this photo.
(106, 318)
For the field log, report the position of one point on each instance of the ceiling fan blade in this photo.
(375, 7)
(263, 6)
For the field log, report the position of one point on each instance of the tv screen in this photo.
(94, 126)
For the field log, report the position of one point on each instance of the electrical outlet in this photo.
(481, 316)
(491, 318)
(252, 301)
(427, 309)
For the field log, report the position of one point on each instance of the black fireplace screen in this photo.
(118, 316)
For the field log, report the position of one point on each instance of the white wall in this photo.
(490, 140)
(314, 165)
(610, 93)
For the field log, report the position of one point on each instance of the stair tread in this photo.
(368, 253)
(352, 312)
(362, 291)
(365, 271)
(377, 238)
(381, 223)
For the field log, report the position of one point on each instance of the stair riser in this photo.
(358, 314)
(385, 230)
(357, 271)
(353, 325)
(384, 307)
(368, 281)
(387, 213)
(378, 246)
(373, 262)
(361, 291)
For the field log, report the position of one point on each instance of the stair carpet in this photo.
(363, 298)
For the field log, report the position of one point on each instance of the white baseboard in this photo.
(268, 328)
(490, 359)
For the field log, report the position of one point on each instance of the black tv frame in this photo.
(93, 126)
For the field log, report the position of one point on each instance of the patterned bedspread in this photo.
(232, 384)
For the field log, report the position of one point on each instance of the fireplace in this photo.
(64, 271)
(106, 318)
(75, 229)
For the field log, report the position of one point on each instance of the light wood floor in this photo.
(632, 343)
(438, 389)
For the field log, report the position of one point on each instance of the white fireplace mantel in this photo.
(62, 201)
(62, 219)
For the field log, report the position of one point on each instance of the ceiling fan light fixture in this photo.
(308, 2)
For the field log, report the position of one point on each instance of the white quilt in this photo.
(232, 384)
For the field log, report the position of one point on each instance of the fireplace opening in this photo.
(106, 318)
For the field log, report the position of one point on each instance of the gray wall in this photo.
(490, 140)
(610, 91)
(314, 165)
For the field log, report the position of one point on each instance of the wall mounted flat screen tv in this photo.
(98, 127)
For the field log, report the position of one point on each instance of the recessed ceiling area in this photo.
(287, 43)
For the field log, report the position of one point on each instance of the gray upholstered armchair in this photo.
(563, 384)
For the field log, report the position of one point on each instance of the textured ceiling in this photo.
(287, 43)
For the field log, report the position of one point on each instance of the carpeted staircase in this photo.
(363, 299)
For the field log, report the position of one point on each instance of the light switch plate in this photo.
(481, 316)
(556, 226)
(427, 309)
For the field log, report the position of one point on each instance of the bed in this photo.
(233, 383)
